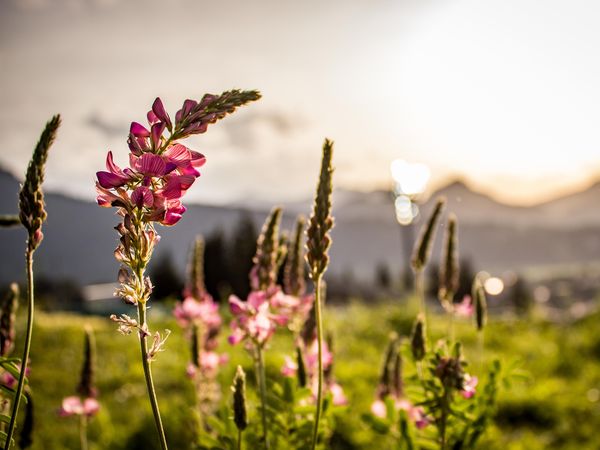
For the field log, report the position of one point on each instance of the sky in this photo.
(504, 94)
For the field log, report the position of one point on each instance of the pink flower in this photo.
(291, 308)
(289, 368)
(191, 310)
(465, 308)
(337, 394)
(73, 406)
(379, 409)
(469, 386)
(253, 318)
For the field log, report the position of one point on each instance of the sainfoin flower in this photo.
(75, 406)
(469, 385)
(464, 308)
(254, 318)
(161, 169)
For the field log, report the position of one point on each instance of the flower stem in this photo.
(25, 357)
(239, 440)
(445, 406)
(148, 375)
(83, 432)
(319, 320)
(260, 376)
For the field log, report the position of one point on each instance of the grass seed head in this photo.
(267, 251)
(31, 196)
(478, 295)
(293, 279)
(449, 269)
(321, 220)
(422, 250)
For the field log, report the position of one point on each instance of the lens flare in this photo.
(410, 178)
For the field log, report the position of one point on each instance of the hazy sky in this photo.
(504, 93)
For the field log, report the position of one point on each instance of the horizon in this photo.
(424, 197)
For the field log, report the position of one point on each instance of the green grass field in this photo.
(556, 406)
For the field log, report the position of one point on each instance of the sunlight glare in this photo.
(411, 178)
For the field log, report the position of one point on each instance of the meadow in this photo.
(552, 401)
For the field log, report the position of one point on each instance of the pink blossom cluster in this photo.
(161, 170)
(75, 406)
(311, 356)
(464, 308)
(204, 314)
(256, 319)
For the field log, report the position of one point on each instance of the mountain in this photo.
(79, 236)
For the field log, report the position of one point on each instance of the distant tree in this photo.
(383, 278)
(241, 252)
(165, 278)
(520, 296)
(215, 263)
(464, 281)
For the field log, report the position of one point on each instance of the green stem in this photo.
(480, 346)
(451, 335)
(262, 386)
(239, 440)
(445, 406)
(420, 291)
(148, 374)
(25, 357)
(83, 432)
(319, 321)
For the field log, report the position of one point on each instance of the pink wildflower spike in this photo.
(159, 110)
(469, 386)
(379, 409)
(138, 130)
(142, 196)
(289, 368)
(464, 308)
(191, 310)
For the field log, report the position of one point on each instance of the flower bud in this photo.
(293, 280)
(417, 340)
(240, 416)
(449, 269)
(86, 387)
(422, 250)
(478, 295)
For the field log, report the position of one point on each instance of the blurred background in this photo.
(493, 105)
